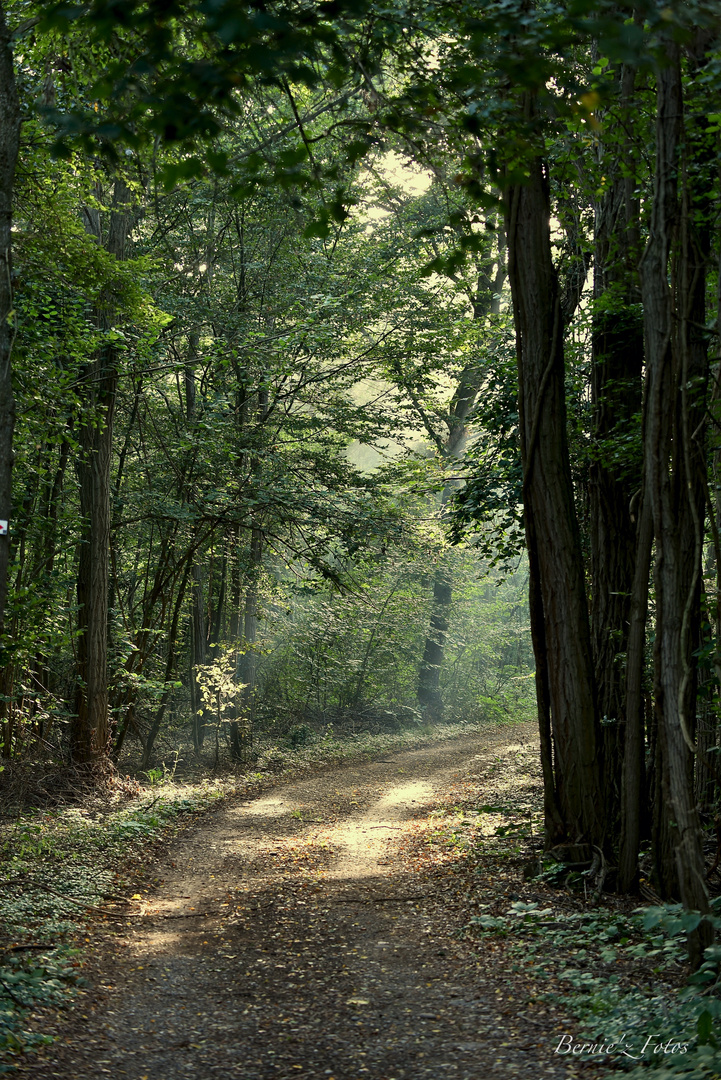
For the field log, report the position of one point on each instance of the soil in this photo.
(297, 935)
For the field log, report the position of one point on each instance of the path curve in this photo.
(283, 940)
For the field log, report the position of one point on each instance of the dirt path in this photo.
(285, 939)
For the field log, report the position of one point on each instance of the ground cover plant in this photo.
(539, 925)
(64, 866)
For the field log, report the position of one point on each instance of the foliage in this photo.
(57, 868)
(580, 950)
(314, 283)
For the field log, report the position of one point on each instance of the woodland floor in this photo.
(313, 932)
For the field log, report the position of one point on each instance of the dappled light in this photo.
(360, 556)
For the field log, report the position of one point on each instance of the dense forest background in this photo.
(342, 344)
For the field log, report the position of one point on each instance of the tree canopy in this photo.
(324, 316)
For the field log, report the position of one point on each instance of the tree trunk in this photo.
(198, 630)
(241, 727)
(485, 302)
(551, 525)
(633, 783)
(90, 727)
(198, 655)
(9, 142)
(676, 358)
(554, 829)
(169, 666)
(429, 695)
(615, 469)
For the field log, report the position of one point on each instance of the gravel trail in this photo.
(286, 939)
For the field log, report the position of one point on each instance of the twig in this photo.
(382, 899)
(194, 915)
(152, 804)
(73, 900)
(27, 948)
(10, 994)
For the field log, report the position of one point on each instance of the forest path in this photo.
(288, 938)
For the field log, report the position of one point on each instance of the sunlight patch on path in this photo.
(273, 806)
(363, 840)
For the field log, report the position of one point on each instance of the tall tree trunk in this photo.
(9, 142)
(198, 655)
(553, 823)
(45, 562)
(551, 525)
(676, 358)
(241, 727)
(487, 301)
(169, 666)
(429, 694)
(198, 630)
(633, 782)
(615, 471)
(90, 727)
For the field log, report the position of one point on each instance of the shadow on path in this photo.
(286, 941)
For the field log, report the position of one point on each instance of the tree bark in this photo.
(486, 301)
(169, 667)
(198, 629)
(198, 655)
(241, 727)
(615, 468)
(676, 361)
(633, 781)
(551, 525)
(90, 727)
(9, 143)
(554, 828)
(429, 694)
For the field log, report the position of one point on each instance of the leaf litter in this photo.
(321, 931)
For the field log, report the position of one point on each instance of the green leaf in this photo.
(704, 1025)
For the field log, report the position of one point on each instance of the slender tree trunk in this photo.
(429, 694)
(551, 525)
(198, 630)
(676, 398)
(45, 562)
(198, 655)
(90, 727)
(615, 470)
(169, 667)
(9, 142)
(633, 781)
(554, 829)
(241, 727)
(485, 302)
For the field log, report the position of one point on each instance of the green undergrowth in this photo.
(624, 977)
(622, 973)
(58, 870)
(303, 749)
(62, 868)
